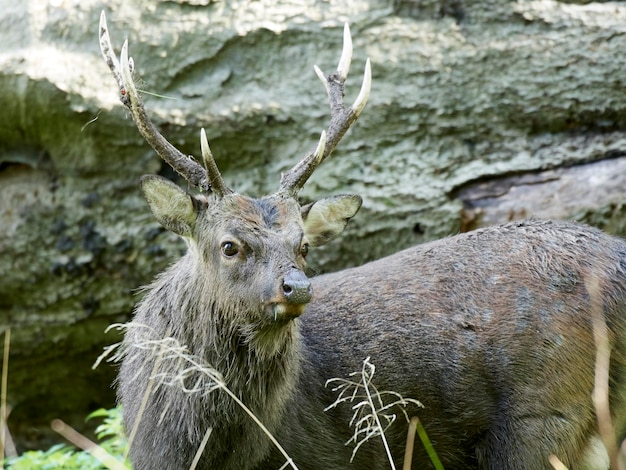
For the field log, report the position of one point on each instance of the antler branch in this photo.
(208, 179)
(341, 118)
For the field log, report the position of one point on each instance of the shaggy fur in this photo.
(490, 330)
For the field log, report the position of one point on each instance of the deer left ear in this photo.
(325, 220)
(171, 206)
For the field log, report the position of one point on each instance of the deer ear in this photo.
(170, 205)
(324, 220)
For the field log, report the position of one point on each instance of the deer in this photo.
(494, 331)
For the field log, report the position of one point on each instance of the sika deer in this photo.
(491, 330)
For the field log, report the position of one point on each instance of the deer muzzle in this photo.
(291, 295)
(296, 288)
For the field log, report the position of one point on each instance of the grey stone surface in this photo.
(463, 91)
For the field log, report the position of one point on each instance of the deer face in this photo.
(254, 250)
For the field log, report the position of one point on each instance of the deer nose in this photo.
(297, 287)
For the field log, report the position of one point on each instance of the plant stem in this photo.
(262, 426)
(87, 445)
(373, 406)
(3, 394)
(196, 458)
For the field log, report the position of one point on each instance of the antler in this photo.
(208, 179)
(341, 118)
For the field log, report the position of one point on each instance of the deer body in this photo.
(493, 331)
(490, 330)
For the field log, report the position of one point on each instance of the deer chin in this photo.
(283, 311)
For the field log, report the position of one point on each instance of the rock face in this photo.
(465, 93)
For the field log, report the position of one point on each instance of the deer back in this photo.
(491, 330)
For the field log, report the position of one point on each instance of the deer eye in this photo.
(304, 250)
(229, 249)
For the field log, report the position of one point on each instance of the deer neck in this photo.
(251, 356)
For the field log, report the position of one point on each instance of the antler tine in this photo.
(205, 179)
(341, 118)
(216, 182)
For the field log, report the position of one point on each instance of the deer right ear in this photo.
(324, 220)
(170, 205)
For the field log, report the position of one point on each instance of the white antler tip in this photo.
(364, 94)
(319, 74)
(319, 150)
(124, 59)
(204, 144)
(124, 56)
(126, 70)
(105, 40)
(346, 54)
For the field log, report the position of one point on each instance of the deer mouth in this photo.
(282, 311)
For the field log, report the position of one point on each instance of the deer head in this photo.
(255, 249)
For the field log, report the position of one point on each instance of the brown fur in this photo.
(490, 330)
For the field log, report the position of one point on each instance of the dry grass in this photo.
(600, 395)
(372, 409)
(169, 348)
(6, 442)
(87, 445)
